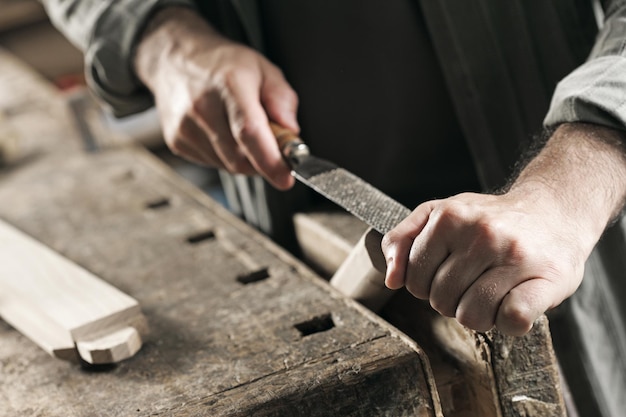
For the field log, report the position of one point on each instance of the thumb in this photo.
(524, 304)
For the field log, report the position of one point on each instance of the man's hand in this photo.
(215, 96)
(504, 260)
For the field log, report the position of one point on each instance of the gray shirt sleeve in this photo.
(596, 91)
(106, 31)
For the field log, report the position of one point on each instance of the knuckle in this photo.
(231, 78)
(515, 318)
(389, 240)
(176, 146)
(443, 307)
(488, 229)
(199, 105)
(416, 289)
(449, 214)
(248, 130)
(473, 321)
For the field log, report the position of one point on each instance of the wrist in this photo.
(172, 35)
(582, 172)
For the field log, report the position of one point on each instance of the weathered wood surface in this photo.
(487, 375)
(492, 374)
(229, 312)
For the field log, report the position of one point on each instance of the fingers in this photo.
(478, 306)
(279, 100)
(526, 303)
(209, 114)
(249, 123)
(483, 260)
(396, 245)
(191, 144)
(456, 275)
(427, 254)
(215, 109)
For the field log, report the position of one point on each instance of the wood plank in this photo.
(230, 313)
(58, 304)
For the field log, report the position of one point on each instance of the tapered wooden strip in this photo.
(36, 325)
(55, 302)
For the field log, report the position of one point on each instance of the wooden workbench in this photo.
(238, 326)
(230, 314)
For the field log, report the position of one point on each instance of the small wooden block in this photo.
(113, 347)
(358, 278)
(327, 237)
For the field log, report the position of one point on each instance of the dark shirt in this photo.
(372, 97)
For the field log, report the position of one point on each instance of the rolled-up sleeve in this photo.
(596, 91)
(107, 31)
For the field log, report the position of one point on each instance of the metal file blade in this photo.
(342, 187)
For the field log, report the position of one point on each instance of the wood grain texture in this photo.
(535, 388)
(357, 277)
(226, 307)
(57, 304)
(111, 347)
(489, 375)
(326, 237)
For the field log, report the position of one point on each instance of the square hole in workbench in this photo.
(315, 325)
(255, 276)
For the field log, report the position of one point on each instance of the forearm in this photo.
(107, 32)
(583, 168)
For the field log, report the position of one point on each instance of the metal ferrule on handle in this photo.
(294, 150)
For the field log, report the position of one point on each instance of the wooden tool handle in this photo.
(284, 136)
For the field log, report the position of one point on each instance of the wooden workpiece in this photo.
(63, 308)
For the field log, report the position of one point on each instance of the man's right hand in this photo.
(215, 96)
